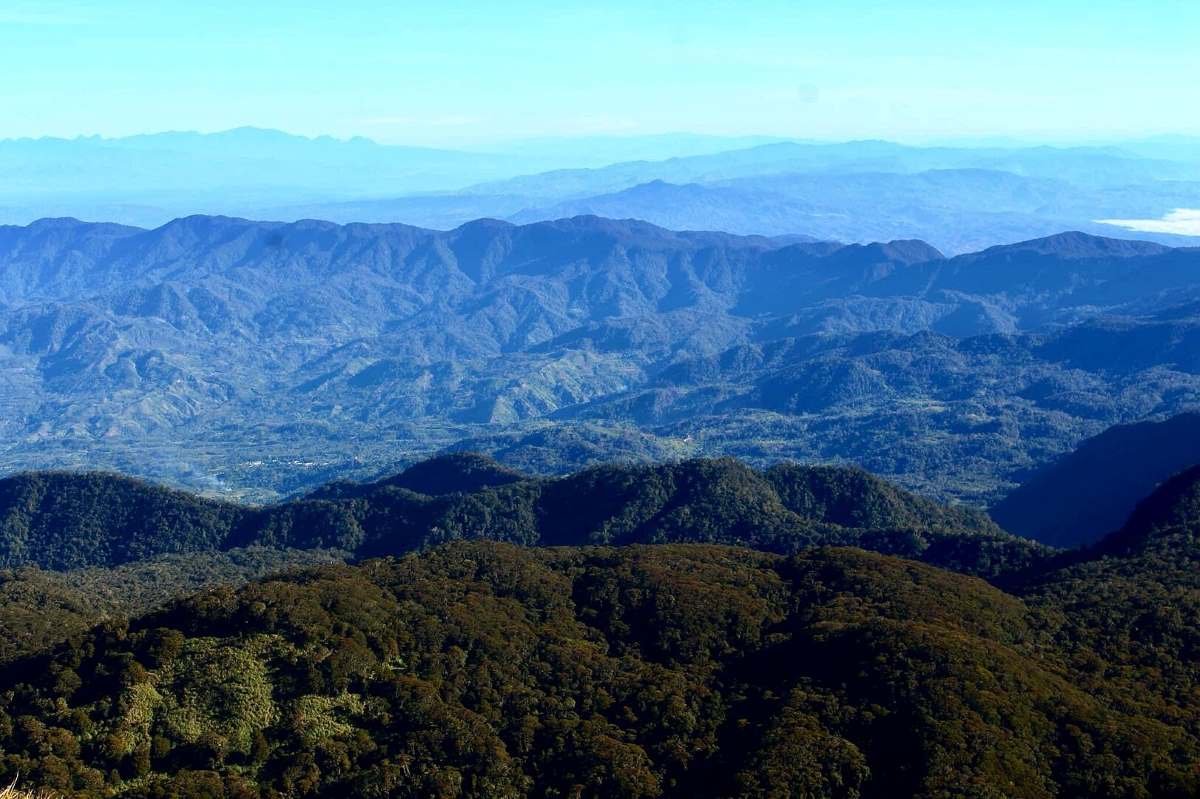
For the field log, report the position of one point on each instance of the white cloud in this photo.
(1180, 222)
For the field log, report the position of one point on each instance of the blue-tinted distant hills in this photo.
(599, 151)
(1168, 147)
(150, 179)
(958, 210)
(1087, 166)
(958, 198)
(246, 165)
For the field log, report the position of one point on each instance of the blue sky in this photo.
(472, 72)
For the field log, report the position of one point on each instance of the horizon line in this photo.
(967, 140)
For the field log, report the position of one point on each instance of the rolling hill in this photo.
(80, 520)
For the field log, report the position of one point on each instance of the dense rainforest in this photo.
(682, 630)
(484, 669)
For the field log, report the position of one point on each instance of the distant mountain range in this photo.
(260, 359)
(958, 198)
(258, 162)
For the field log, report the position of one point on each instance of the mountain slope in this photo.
(1164, 523)
(1128, 609)
(1090, 492)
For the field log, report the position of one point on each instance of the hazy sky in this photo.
(459, 72)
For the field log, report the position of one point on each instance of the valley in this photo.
(758, 400)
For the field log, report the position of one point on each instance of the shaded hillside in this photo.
(485, 670)
(854, 498)
(65, 520)
(1090, 492)
(1168, 517)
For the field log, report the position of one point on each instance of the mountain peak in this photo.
(209, 224)
(56, 223)
(454, 472)
(485, 225)
(1077, 244)
(623, 229)
(907, 251)
(71, 225)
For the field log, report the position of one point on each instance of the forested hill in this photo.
(447, 474)
(480, 669)
(485, 670)
(65, 520)
(72, 520)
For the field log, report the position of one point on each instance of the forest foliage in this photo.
(480, 669)
(632, 653)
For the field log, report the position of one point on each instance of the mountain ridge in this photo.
(1065, 243)
(65, 520)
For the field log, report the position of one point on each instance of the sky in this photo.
(470, 73)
